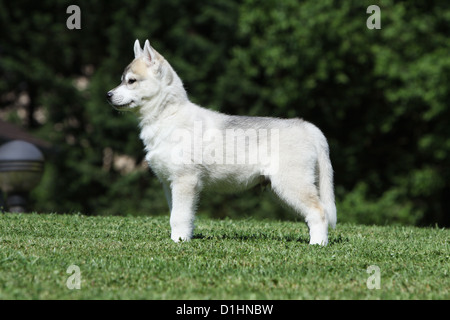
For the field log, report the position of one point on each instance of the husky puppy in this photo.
(191, 148)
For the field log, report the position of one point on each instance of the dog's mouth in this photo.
(122, 107)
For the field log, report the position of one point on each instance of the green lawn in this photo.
(134, 258)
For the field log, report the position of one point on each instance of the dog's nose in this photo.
(109, 95)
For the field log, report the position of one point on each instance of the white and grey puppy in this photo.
(191, 148)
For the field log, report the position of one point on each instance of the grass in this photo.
(134, 258)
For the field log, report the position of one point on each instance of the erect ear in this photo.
(149, 53)
(137, 49)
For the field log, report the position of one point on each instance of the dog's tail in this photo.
(326, 189)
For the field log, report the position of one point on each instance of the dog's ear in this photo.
(137, 49)
(149, 53)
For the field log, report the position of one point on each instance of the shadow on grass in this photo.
(267, 237)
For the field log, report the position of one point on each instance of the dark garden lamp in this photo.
(21, 168)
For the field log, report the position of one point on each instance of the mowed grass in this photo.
(134, 258)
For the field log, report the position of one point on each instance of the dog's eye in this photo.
(131, 81)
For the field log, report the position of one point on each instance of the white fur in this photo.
(297, 166)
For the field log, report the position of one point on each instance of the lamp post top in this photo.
(18, 150)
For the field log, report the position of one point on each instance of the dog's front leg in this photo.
(167, 194)
(185, 191)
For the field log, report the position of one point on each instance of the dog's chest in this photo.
(159, 160)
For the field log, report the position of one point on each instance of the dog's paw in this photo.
(321, 242)
(180, 238)
(318, 234)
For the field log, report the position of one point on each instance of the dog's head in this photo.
(142, 79)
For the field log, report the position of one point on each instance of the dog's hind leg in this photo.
(185, 192)
(315, 218)
(303, 198)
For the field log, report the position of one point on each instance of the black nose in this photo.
(109, 95)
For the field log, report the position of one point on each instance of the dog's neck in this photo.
(171, 102)
(157, 113)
